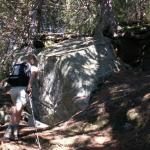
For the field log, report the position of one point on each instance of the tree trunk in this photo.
(39, 15)
(106, 24)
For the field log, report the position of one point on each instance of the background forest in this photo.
(22, 20)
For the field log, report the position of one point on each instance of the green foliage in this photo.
(1, 76)
(15, 24)
(132, 10)
(17, 20)
(120, 8)
(79, 16)
(148, 11)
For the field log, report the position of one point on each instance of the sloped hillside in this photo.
(117, 119)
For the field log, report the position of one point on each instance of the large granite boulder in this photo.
(69, 72)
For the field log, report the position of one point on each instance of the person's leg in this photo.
(18, 95)
(12, 132)
(16, 114)
(15, 119)
(20, 103)
(9, 131)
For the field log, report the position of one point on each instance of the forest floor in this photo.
(117, 119)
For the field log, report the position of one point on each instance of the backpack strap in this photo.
(28, 69)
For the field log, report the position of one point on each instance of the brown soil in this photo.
(117, 119)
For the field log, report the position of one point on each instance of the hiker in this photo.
(19, 94)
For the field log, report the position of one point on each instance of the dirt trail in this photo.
(117, 119)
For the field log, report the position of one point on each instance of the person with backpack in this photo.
(20, 79)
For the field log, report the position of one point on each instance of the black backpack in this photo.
(20, 74)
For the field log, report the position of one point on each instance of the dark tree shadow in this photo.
(120, 94)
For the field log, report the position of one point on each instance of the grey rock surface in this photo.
(69, 72)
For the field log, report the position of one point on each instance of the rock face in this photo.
(69, 72)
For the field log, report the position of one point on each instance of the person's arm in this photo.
(34, 72)
(32, 77)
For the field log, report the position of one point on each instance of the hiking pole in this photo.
(34, 122)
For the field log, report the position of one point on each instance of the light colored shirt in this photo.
(34, 69)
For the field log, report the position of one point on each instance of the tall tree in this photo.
(106, 22)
